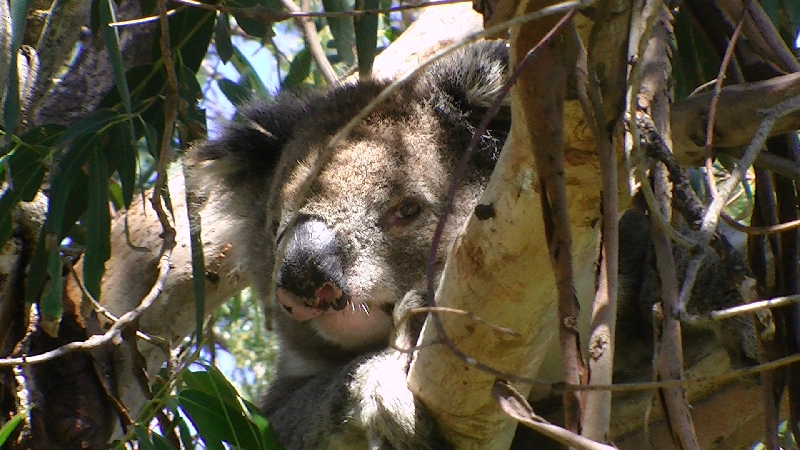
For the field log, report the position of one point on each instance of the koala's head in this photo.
(363, 232)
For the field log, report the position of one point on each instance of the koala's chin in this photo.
(349, 328)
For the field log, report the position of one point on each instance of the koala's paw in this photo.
(409, 328)
(389, 412)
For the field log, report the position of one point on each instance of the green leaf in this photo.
(111, 39)
(151, 136)
(98, 225)
(212, 382)
(222, 37)
(191, 92)
(125, 152)
(37, 269)
(161, 443)
(236, 93)
(69, 173)
(216, 420)
(7, 201)
(89, 125)
(115, 194)
(299, 69)
(11, 425)
(184, 433)
(247, 74)
(94, 17)
(344, 35)
(254, 27)
(26, 174)
(190, 34)
(695, 61)
(366, 29)
(27, 167)
(143, 438)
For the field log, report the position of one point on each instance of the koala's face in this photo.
(363, 235)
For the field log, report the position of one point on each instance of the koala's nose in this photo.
(312, 271)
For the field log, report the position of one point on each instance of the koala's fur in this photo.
(640, 289)
(361, 241)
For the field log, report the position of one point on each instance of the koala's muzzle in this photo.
(311, 277)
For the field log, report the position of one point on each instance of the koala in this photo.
(640, 289)
(357, 255)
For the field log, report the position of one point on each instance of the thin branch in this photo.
(267, 15)
(712, 109)
(760, 231)
(749, 308)
(711, 218)
(597, 406)
(147, 19)
(124, 321)
(517, 407)
(309, 31)
(782, 53)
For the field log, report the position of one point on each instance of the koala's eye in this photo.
(408, 209)
(405, 213)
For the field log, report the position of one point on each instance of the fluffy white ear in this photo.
(473, 75)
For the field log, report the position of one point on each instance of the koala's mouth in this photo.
(323, 299)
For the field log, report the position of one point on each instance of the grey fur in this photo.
(362, 238)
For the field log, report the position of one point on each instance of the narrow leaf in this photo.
(299, 69)
(127, 153)
(344, 35)
(235, 92)
(70, 172)
(98, 224)
(217, 420)
(222, 37)
(247, 73)
(198, 262)
(366, 29)
(111, 39)
(19, 23)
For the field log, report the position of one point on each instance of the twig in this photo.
(712, 109)
(515, 405)
(124, 321)
(711, 218)
(147, 19)
(773, 39)
(309, 31)
(267, 15)
(772, 229)
(734, 311)
(155, 340)
(597, 405)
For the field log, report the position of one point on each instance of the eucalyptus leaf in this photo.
(299, 69)
(98, 225)
(234, 92)
(366, 29)
(222, 37)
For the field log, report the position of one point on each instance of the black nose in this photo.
(313, 261)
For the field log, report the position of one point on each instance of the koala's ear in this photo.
(474, 76)
(248, 148)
